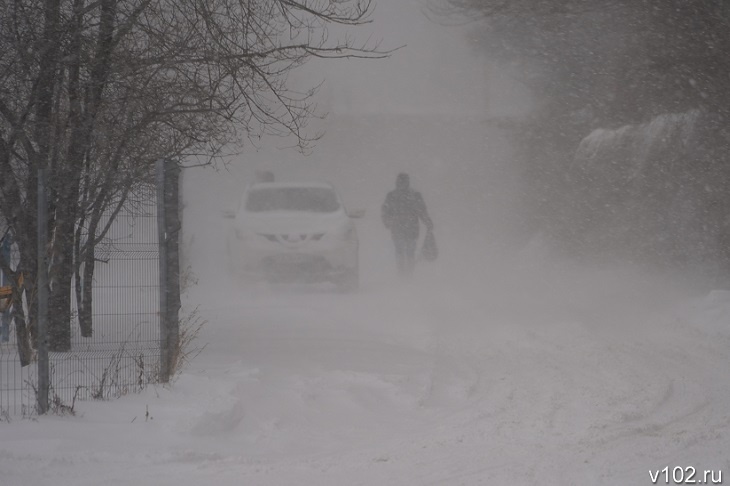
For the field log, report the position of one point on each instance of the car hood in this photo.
(281, 222)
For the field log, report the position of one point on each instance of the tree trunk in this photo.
(85, 301)
(25, 325)
(60, 277)
(70, 178)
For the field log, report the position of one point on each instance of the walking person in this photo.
(402, 212)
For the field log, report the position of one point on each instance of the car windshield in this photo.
(310, 199)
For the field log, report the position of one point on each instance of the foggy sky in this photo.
(436, 69)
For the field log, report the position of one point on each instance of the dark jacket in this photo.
(402, 210)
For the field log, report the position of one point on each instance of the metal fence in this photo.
(134, 322)
(123, 353)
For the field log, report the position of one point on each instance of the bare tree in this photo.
(98, 90)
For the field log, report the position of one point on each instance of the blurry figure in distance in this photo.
(402, 213)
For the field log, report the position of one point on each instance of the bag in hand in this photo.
(429, 251)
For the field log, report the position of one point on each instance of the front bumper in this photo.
(320, 263)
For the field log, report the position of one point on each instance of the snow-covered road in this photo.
(417, 384)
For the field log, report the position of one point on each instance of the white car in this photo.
(284, 231)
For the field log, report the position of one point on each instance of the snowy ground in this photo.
(487, 371)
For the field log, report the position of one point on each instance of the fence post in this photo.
(168, 226)
(172, 265)
(42, 294)
(162, 263)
